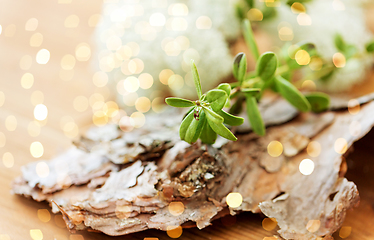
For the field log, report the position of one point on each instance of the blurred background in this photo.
(58, 76)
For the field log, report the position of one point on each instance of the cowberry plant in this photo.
(207, 118)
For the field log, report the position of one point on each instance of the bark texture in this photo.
(121, 182)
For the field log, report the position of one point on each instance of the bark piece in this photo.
(135, 195)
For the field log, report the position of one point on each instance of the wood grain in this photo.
(18, 215)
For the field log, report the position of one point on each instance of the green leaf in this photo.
(318, 101)
(191, 128)
(217, 99)
(250, 3)
(250, 39)
(212, 116)
(254, 116)
(179, 102)
(221, 130)
(237, 107)
(250, 90)
(225, 87)
(240, 67)
(208, 136)
(291, 94)
(231, 119)
(370, 47)
(267, 66)
(196, 79)
(339, 43)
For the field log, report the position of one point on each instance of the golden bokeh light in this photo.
(345, 231)
(269, 223)
(2, 98)
(4, 236)
(8, 160)
(94, 20)
(31, 24)
(100, 118)
(36, 234)
(143, 104)
(176, 208)
(275, 148)
(178, 9)
(96, 97)
(110, 109)
(135, 66)
(44, 215)
(304, 19)
(313, 149)
(135, 49)
(36, 149)
(43, 56)
(76, 237)
(131, 84)
(234, 199)
(40, 112)
(11, 123)
(313, 225)
(2, 139)
(70, 129)
(355, 128)
(340, 145)
(25, 62)
(339, 60)
(183, 42)
(59, 221)
(174, 231)
(203, 22)
(316, 63)
(33, 129)
(83, 52)
(10, 30)
(37, 97)
(308, 85)
(145, 80)
(138, 119)
(42, 169)
(302, 57)
(27, 80)
(306, 167)
(176, 82)
(177, 24)
(353, 106)
(255, 14)
(297, 8)
(172, 48)
(157, 20)
(285, 34)
(80, 103)
(72, 21)
(158, 104)
(68, 62)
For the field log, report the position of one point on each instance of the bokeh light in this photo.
(353, 106)
(68, 62)
(42, 169)
(8, 160)
(313, 225)
(31, 24)
(176, 208)
(27, 80)
(72, 21)
(36, 40)
(40, 112)
(313, 149)
(302, 57)
(36, 149)
(174, 231)
(36, 234)
(269, 223)
(203, 22)
(340, 145)
(345, 231)
(275, 148)
(234, 199)
(11, 123)
(255, 14)
(44, 215)
(43, 56)
(306, 167)
(339, 60)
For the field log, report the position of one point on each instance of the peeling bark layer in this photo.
(122, 182)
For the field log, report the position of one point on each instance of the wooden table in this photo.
(59, 89)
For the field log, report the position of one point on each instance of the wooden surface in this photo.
(18, 215)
